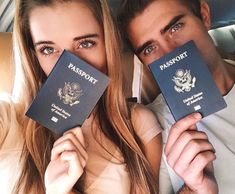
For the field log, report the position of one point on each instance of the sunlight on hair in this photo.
(18, 81)
(4, 96)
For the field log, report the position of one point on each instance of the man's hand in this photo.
(190, 155)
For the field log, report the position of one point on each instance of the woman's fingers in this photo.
(68, 159)
(69, 142)
(77, 131)
(76, 163)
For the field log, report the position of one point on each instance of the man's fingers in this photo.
(195, 174)
(192, 127)
(203, 161)
(192, 173)
(192, 150)
(182, 142)
(179, 127)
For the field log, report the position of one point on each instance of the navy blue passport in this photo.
(68, 95)
(186, 82)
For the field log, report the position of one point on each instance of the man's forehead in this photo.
(153, 19)
(140, 27)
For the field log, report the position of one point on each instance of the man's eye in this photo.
(149, 49)
(86, 44)
(47, 50)
(176, 27)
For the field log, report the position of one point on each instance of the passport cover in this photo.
(186, 82)
(68, 95)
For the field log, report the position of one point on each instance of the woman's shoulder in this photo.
(9, 118)
(11, 143)
(139, 110)
(7, 106)
(145, 122)
(141, 113)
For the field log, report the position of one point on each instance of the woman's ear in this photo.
(205, 13)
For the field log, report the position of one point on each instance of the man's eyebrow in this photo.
(86, 36)
(142, 47)
(171, 23)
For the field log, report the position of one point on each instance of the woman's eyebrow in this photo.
(43, 42)
(74, 39)
(85, 36)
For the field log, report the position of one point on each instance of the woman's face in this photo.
(70, 26)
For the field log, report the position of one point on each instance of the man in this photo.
(154, 28)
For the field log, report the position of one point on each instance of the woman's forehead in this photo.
(54, 21)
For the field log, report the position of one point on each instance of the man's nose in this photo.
(70, 49)
(167, 46)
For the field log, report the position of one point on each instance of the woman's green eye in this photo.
(86, 44)
(47, 50)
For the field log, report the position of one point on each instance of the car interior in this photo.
(140, 84)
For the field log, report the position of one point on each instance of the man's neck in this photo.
(224, 76)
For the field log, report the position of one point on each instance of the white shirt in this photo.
(220, 128)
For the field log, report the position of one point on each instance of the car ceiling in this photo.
(222, 12)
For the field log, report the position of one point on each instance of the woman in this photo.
(118, 148)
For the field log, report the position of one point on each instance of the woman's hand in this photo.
(68, 159)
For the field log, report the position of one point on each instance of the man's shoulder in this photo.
(159, 106)
(161, 110)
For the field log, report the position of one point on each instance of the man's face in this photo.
(167, 24)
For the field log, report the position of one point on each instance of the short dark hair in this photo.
(129, 9)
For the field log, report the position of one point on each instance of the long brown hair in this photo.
(112, 110)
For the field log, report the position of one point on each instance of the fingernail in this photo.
(197, 115)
